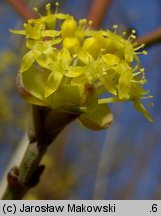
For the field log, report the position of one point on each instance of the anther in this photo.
(115, 27)
(133, 31)
(90, 23)
(57, 6)
(145, 52)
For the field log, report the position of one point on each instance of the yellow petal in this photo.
(71, 43)
(45, 62)
(27, 61)
(21, 32)
(109, 83)
(50, 33)
(129, 52)
(124, 85)
(33, 30)
(140, 108)
(85, 57)
(53, 82)
(34, 81)
(64, 56)
(74, 71)
(110, 59)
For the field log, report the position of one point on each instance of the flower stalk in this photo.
(47, 126)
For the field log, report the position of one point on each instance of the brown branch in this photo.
(21, 7)
(97, 11)
(150, 38)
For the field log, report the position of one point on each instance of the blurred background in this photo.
(122, 162)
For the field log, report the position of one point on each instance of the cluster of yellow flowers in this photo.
(72, 68)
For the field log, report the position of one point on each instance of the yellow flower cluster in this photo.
(72, 68)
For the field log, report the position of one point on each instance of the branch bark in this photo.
(151, 38)
(97, 12)
(47, 124)
(22, 8)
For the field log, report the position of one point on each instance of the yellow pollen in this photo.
(84, 21)
(133, 36)
(48, 6)
(35, 9)
(90, 22)
(57, 4)
(145, 52)
(115, 26)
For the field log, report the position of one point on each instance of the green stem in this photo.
(47, 124)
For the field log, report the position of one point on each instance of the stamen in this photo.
(133, 31)
(139, 47)
(144, 52)
(111, 100)
(135, 68)
(142, 70)
(115, 99)
(123, 33)
(48, 9)
(90, 23)
(136, 73)
(36, 10)
(131, 37)
(115, 27)
(83, 23)
(57, 6)
(147, 97)
(139, 81)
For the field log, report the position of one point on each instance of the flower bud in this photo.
(68, 28)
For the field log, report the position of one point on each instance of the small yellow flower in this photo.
(70, 67)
